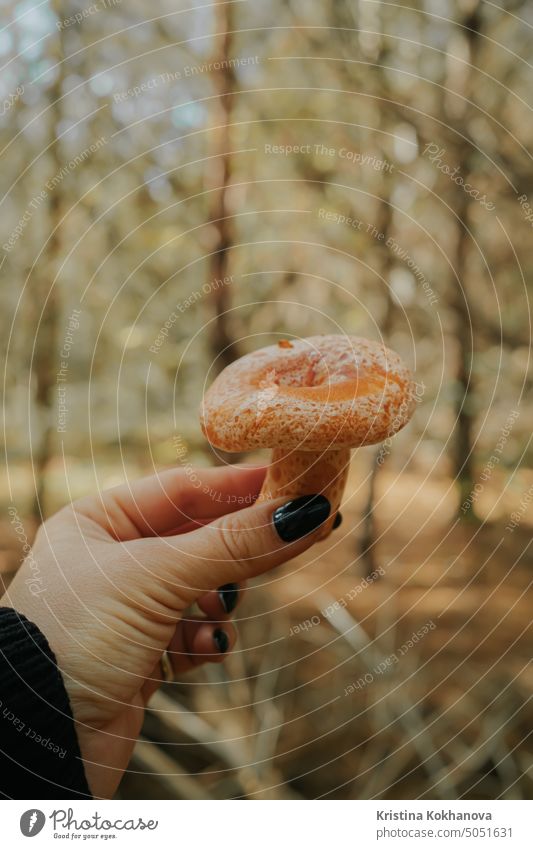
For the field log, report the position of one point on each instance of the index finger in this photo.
(157, 504)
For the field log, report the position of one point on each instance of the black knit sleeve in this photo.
(39, 752)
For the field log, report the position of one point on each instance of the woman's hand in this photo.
(116, 572)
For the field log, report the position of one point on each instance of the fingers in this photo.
(158, 504)
(234, 547)
(191, 525)
(195, 642)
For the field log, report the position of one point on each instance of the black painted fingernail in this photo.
(301, 516)
(337, 522)
(221, 640)
(229, 596)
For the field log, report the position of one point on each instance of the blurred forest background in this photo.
(183, 185)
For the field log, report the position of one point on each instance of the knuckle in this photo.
(235, 539)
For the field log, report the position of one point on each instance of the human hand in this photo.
(119, 570)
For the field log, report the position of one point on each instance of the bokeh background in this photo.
(185, 182)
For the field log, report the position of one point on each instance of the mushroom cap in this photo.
(313, 394)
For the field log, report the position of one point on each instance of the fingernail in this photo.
(301, 516)
(229, 596)
(221, 640)
(337, 522)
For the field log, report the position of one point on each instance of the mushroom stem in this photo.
(296, 473)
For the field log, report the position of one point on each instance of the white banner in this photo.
(230, 825)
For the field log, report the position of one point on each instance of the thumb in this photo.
(237, 546)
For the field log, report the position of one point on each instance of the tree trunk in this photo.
(465, 386)
(223, 348)
(46, 304)
(367, 543)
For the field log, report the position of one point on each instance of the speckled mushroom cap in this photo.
(309, 394)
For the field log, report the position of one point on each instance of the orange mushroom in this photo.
(311, 401)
